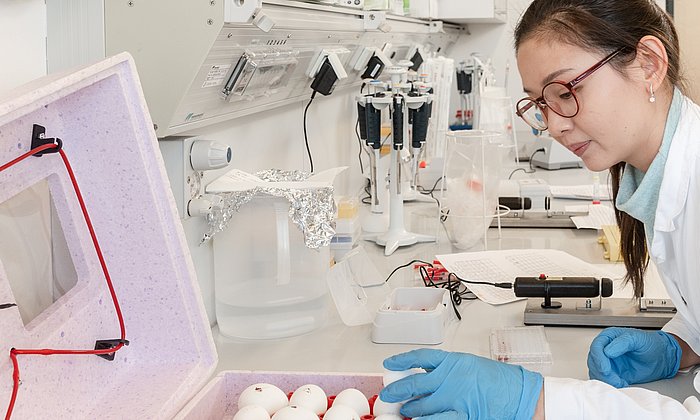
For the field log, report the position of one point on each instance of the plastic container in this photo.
(524, 346)
(218, 400)
(413, 315)
(470, 184)
(496, 113)
(268, 283)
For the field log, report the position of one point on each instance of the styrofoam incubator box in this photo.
(100, 114)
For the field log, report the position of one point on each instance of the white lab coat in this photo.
(676, 252)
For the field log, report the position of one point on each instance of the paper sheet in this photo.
(598, 215)
(505, 266)
(580, 192)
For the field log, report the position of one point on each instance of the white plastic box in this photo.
(413, 315)
(100, 114)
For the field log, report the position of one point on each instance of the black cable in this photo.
(368, 198)
(404, 266)
(504, 285)
(7, 305)
(430, 191)
(359, 141)
(386, 138)
(457, 287)
(532, 169)
(456, 295)
(306, 138)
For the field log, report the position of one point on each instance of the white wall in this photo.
(22, 42)
(686, 14)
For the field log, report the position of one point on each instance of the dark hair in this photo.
(603, 26)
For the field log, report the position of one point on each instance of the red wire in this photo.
(47, 352)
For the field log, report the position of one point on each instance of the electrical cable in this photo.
(458, 291)
(430, 191)
(457, 287)
(48, 352)
(504, 285)
(532, 169)
(404, 266)
(306, 137)
(359, 141)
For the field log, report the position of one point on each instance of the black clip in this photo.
(109, 344)
(39, 139)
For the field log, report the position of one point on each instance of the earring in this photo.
(652, 98)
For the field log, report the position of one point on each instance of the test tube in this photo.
(596, 189)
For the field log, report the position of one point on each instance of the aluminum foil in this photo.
(311, 209)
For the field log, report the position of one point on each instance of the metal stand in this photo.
(614, 312)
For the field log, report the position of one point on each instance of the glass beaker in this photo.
(474, 159)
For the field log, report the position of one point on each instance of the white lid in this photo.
(100, 114)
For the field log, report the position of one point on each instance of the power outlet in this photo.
(185, 182)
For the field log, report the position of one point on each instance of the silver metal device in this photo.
(613, 312)
(580, 303)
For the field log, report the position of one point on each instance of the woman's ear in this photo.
(653, 59)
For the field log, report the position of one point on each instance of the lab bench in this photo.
(339, 348)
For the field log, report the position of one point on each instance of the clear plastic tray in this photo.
(525, 346)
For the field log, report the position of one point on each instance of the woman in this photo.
(602, 76)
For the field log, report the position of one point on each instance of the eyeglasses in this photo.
(558, 96)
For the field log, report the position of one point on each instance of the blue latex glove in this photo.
(462, 386)
(626, 356)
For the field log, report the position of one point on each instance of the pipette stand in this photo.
(377, 221)
(397, 235)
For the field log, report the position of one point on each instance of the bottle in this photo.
(458, 119)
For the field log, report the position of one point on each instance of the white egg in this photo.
(354, 399)
(310, 396)
(394, 375)
(294, 412)
(252, 412)
(389, 417)
(340, 412)
(266, 396)
(381, 407)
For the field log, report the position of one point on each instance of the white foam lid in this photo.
(100, 114)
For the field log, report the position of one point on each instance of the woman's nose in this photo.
(558, 125)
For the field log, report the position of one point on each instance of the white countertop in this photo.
(338, 348)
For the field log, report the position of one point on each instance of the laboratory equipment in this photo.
(326, 69)
(108, 138)
(470, 179)
(524, 346)
(132, 211)
(408, 105)
(413, 315)
(271, 255)
(206, 155)
(369, 115)
(555, 156)
(357, 288)
(185, 73)
(584, 305)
